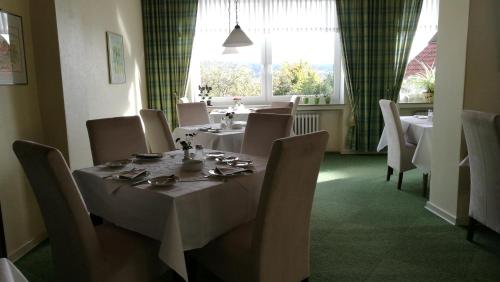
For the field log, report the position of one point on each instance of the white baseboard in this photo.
(26, 247)
(441, 213)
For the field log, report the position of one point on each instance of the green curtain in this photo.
(169, 27)
(376, 39)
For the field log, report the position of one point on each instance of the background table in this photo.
(239, 115)
(185, 216)
(229, 140)
(417, 131)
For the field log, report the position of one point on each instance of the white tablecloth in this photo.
(185, 216)
(239, 115)
(417, 131)
(229, 140)
(9, 273)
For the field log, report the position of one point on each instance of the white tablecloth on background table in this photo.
(239, 115)
(185, 216)
(9, 273)
(229, 140)
(417, 131)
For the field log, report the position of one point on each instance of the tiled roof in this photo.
(427, 57)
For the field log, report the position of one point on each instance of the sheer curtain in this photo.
(258, 16)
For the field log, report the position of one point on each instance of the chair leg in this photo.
(471, 228)
(389, 173)
(400, 180)
(425, 182)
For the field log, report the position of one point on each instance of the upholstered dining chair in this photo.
(482, 135)
(399, 152)
(293, 104)
(262, 130)
(158, 133)
(192, 114)
(115, 138)
(280, 111)
(183, 100)
(275, 246)
(80, 251)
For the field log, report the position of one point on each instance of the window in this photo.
(420, 71)
(295, 51)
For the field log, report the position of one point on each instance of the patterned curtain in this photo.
(376, 39)
(169, 27)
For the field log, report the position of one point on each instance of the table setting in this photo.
(167, 200)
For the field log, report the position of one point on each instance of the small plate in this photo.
(226, 160)
(148, 156)
(163, 181)
(117, 164)
(213, 155)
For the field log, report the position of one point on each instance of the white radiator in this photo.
(306, 123)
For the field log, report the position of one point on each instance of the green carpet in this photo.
(363, 229)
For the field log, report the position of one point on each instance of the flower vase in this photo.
(306, 100)
(316, 100)
(187, 156)
(327, 99)
(209, 102)
(229, 123)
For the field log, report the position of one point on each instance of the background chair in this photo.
(192, 114)
(80, 251)
(158, 133)
(399, 152)
(280, 111)
(275, 246)
(482, 135)
(116, 138)
(183, 100)
(293, 104)
(8, 271)
(262, 130)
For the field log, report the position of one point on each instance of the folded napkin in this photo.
(229, 170)
(131, 174)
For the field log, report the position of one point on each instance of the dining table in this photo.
(418, 131)
(240, 114)
(212, 136)
(187, 215)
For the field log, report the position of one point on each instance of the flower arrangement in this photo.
(205, 94)
(230, 115)
(316, 99)
(327, 98)
(426, 80)
(237, 101)
(186, 143)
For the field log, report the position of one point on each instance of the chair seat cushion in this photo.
(129, 256)
(229, 256)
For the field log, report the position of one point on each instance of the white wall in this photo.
(82, 26)
(19, 119)
(446, 137)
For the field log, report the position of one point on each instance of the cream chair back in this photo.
(279, 111)
(296, 101)
(75, 247)
(395, 134)
(281, 235)
(262, 130)
(115, 138)
(279, 104)
(482, 135)
(192, 114)
(158, 133)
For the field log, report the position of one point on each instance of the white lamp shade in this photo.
(237, 38)
(230, 50)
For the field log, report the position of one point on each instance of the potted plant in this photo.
(205, 94)
(328, 98)
(316, 99)
(306, 100)
(186, 144)
(427, 81)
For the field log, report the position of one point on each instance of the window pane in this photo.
(303, 63)
(229, 74)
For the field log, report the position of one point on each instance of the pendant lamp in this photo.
(237, 37)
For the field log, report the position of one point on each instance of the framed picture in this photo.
(12, 57)
(116, 58)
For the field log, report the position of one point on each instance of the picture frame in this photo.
(12, 53)
(116, 58)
